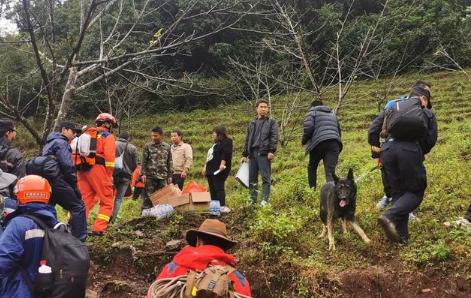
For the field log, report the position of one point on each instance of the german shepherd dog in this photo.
(338, 200)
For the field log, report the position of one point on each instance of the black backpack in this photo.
(69, 260)
(407, 120)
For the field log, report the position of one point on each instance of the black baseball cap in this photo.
(424, 92)
(7, 125)
(70, 125)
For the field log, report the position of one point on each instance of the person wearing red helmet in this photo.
(96, 184)
(21, 242)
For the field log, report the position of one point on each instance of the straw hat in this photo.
(213, 228)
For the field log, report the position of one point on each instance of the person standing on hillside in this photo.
(156, 168)
(261, 140)
(377, 130)
(322, 137)
(182, 158)
(122, 178)
(218, 165)
(11, 160)
(96, 183)
(404, 171)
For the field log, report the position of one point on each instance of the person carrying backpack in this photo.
(55, 164)
(95, 171)
(207, 248)
(11, 160)
(22, 240)
(412, 133)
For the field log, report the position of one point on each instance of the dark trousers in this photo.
(178, 180)
(259, 163)
(386, 187)
(327, 151)
(405, 174)
(152, 185)
(216, 187)
(71, 200)
(468, 213)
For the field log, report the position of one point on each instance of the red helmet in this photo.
(32, 188)
(103, 117)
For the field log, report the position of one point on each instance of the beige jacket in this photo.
(182, 156)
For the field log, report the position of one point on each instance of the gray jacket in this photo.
(268, 139)
(11, 159)
(129, 158)
(320, 124)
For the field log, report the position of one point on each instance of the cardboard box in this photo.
(163, 195)
(199, 202)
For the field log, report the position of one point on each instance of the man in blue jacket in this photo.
(21, 242)
(55, 164)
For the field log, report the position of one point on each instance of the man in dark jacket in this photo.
(122, 178)
(21, 242)
(11, 160)
(404, 171)
(322, 138)
(55, 164)
(260, 144)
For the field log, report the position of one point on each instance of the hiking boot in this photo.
(96, 234)
(412, 217)
(383, 203)
(389, 228)
(225, 209)
(263, 203)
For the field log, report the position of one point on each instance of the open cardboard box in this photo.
(195, 202)
(163, 195)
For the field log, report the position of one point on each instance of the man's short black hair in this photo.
(6, 125)
(158, 130)
(124, 135)
(316, 103)
(178, 132)
(259, 101)
(423, 84)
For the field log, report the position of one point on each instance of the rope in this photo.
(362, 176)
(174, 288)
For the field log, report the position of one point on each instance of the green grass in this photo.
(285, 233)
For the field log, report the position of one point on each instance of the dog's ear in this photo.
(350, 174)
(336, 179)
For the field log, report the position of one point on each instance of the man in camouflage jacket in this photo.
(156, 168)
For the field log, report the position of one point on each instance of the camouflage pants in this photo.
(152, 185)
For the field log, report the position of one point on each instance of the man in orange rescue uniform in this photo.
(96, 184)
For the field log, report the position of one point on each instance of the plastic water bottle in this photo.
(44, 269)
(158, 212)
(215, 207)
(169, 209)
(146, 212)
(44, 279)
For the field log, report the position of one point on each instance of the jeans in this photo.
(121, 191)
(216, 187)
(259, 163)
(329, 152)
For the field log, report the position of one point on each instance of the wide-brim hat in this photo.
(6, 179)
(213, 228)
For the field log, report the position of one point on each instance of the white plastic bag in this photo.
(243, 175)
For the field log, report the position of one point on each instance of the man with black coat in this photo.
(55, 164)
(260, 144)
(322, 137)
(122, 178)
(11, 160)
(404, 170)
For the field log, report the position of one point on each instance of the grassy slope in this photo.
(283, 236)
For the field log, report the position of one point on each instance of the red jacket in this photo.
(197, 258)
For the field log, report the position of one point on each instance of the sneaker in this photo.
(460, 222)
(263, 203)
(383, 203)
(412, 217)
(225, 209)
(388, 228)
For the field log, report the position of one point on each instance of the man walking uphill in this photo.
(156, 168)
(122, 178)
(261, 140)
(322, 139)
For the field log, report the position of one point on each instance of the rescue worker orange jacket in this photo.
(105, 149)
